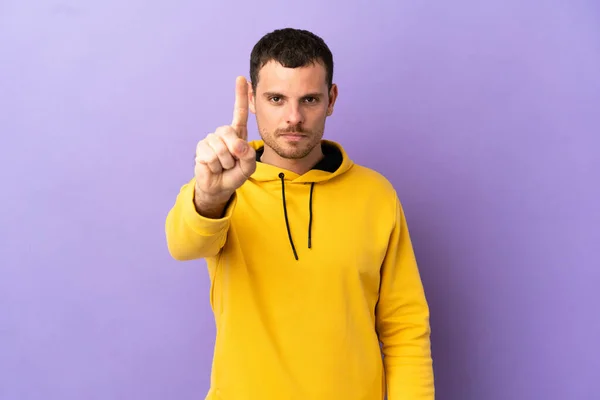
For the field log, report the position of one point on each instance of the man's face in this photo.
(291, 105)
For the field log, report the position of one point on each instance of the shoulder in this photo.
(372, 180)
(372, 189)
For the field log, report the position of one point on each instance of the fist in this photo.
(224, 158)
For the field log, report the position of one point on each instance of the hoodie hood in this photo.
(334, 163)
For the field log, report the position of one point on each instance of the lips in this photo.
(293, 136)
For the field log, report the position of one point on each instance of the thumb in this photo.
(240, 149)
(246, 156)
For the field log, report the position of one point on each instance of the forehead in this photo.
(274, 77)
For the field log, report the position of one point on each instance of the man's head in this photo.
(292, 94)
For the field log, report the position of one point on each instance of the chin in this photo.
(294, 152)
(289, 149)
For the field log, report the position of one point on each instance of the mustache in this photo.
(293, 129)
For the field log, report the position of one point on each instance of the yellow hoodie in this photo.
(310, 275)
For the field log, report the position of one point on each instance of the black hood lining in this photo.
(331, 161)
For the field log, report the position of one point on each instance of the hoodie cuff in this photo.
(202, 225)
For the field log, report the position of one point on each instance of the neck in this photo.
(299, 166)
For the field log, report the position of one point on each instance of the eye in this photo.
(312, 100)
(275, 99)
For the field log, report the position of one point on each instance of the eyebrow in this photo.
(276, 94)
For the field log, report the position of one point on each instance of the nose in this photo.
(294, 114)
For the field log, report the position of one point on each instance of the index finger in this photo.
(240, 110)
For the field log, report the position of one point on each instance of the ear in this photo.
(333, 94)
(251, 99)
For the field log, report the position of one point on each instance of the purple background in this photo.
(484, 115)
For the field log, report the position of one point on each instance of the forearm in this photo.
(196, 229)
(403, 320)
(407, 357)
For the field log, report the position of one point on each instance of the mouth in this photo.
(293, 136)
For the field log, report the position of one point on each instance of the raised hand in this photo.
(224, 159)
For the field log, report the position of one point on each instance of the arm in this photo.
(197, 225)
(191, 235)
(403, 320)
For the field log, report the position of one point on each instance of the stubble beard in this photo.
(292, 151)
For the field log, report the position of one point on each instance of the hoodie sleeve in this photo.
(403, 320)
(190, 235)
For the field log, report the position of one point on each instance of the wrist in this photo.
(211, 206)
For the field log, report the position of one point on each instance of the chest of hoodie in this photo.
(314, 237)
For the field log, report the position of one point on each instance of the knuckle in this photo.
(218, 146)
(206, 156)
(201, 150)
(222, 151)
(212, 157)
(203, 144)
(227, 131)
(222, 130)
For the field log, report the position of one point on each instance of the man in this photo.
(312, 270)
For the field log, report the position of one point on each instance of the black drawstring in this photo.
(287, 222)
(312, 186)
